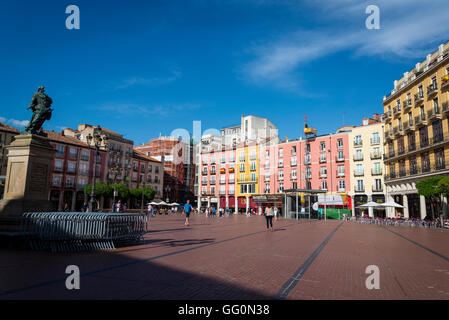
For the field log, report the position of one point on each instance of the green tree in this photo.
(101, 189)
(148, 193)
(430, 187)
(122, 191)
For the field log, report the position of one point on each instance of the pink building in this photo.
(319, 163)
(218, 179)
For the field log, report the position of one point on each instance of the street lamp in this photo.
(167, 191)
(115, 170)
(143, 192)
(95, 141)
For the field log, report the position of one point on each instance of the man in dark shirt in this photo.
(187, 209)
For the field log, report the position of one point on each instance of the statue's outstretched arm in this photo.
(32, 103)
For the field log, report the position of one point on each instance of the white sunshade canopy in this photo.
(391, 204)
(174, 204)
(371, 204)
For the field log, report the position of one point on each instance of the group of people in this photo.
(119, 206)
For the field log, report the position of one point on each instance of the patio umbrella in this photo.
(370, 204)
(391, 204)
(174, 204)
(162, 203)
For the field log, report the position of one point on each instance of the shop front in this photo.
(358, 201)
(379, 212)
(264, 200)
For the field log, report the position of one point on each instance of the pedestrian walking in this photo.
(276, 213)
(187, 209)
(118, 206)
(66, 207)
(84, 207)
(149, 209)
(269, 217)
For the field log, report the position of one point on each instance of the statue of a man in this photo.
(40, 105)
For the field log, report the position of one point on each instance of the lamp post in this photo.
(143, 192)
(167, 191)
(95, 141)
(115, 170)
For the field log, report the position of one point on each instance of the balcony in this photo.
(376, 172)
(432, 89)
(293, 177)
(204, 183)
(419, 97)
(387, 115)
(420, 121)
(280, 178)
(57, 169)
(231, 181)
(85, 158)
(397, 131)
(213, 172)
(412, 147)
(222, 181)
(322, 160)
(377, 188)
(402, 172)
(434, 114)
(408, 126)
(358, 143)
(338, 159)
(446, 107)
(323, 175)
(376, 155)
(401, 150)
(56, 184)
(247, 180)
(375, 141)
(72, 155)
(445, 82)
(340, 174)
(391, 153)
(358, 173)
(359, 189)
(358, 157)
(396, 111)
(407, 104)
(388, 135)
(230, 192)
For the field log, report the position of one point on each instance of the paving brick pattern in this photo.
(236, 258)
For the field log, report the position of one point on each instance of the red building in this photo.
(73, 167)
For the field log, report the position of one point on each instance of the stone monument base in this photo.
(27, 178)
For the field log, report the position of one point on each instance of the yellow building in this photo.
(417, 131)
(247, 169)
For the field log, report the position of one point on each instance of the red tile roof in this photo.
(57, 137)
(5, 127)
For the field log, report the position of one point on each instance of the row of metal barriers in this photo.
(82, 231)
(401, 222)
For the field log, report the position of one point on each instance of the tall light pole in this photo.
(115, 170)
(167, 191)
(95, 141)
(143, 193)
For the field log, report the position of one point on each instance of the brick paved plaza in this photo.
(236, 258)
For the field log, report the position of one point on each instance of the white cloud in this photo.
(18, 123)
(409, 29)
(175, 75)
(2, 119)
(162, 110)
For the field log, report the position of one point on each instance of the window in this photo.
(359, 169)
(322, 146)
(267, 188)
(340, 143)
(377, 169)
(267, 154)
(281, 174)
(307, 159)
(281, 153)
(375, 138)
(242, 177)
(294, 174)
(341, 171)
(72, 152)
(377, 185)
(293, 161)
(242, 156)
(324, 185)
(204, 190)
(222, 190)
(267, 164)
(231, 189)
(253, 155)
(59, 150)
(437, 127)
(71, 167)
(308, 147)
(223, 157)
(242, 167)
(212, 170)
(58, 165)
(358, 140)
(358, 154)
(360, 186)
(341, 156)
(436, 107)
(308, 172)
(294, 151)
(281, 187)
(231, 178)
(281, 163)
(232, 157)
(222, 178)
(323, 157)
(253, 166)
(341, 185)
(253, 177)
(212, 190)
(57, 181)
(323, 172)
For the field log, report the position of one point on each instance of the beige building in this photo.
(7, 134)
(120, 152)
(147, 172)
(366, 163)
(417, 131)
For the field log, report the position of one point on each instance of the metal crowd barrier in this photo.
(81, 231)
(399, 222)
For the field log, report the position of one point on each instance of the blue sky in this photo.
(147, 67)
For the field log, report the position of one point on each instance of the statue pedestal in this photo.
(27, 177)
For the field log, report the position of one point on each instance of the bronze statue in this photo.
(40, 105)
